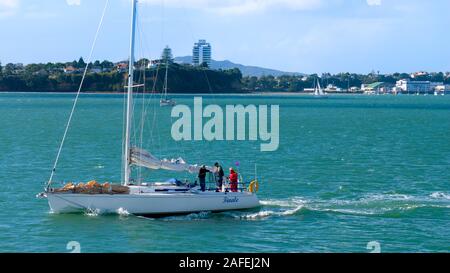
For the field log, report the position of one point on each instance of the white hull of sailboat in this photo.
(152, 203)
(167, 103)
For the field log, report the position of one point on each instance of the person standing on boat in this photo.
(233, 177)
(219, 174)
(202, 177)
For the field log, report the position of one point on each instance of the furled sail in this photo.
(142, 158)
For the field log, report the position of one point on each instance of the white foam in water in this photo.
(440, 195)
(348, 211)
(267, 213)
(292, 211)
(92, 212)
(192, 216)
(395, 196)
(122, 212)
(380, 204)
(371, 204)
(293, 202)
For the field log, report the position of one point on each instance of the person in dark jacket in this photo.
(219, 174)
(202, 177)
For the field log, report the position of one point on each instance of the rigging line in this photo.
(143, 75)
(163, 40)
(142, 119)
(163, 86)
(144, 47)
(124, 105)
(154, 120)
(142, 79)
(77, 96)
(154, 74)
(152, 95)
(138, 127)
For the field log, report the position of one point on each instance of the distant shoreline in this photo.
(270, 93)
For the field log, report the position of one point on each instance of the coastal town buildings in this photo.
(419, 74)
(332, 89)
(96, 70)
(443, 89)
(421, 87)
(377, 88)
(201, 53)
(122, 67)
(70, 69)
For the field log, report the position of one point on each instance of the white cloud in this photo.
(8, 7)
(9, 3)
(374, 2)
(238, 7)
(73, 2)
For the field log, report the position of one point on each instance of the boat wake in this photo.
(380, 204)
(389, 205)
(264, 213)
(96, 212)
(189, 217)
(440, 195)
(92, 212)
(122, 212)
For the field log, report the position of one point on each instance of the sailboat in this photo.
(149, 199)
(166, 101)
(318, 92)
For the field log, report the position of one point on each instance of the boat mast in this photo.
(127, 149)
(165, 79)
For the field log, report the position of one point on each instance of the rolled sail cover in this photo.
(143, 158)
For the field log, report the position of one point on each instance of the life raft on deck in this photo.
(93, 187)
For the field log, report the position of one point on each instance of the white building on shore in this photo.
(422, 87)
(443, 89)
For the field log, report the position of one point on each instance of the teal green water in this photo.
(349, 170)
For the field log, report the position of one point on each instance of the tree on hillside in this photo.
(9, 68)
(74, 64)
(438, 77)
(166, 55)
(81, 63)
(107, 64)
(142, 62)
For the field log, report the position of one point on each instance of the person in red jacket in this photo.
(233, 177)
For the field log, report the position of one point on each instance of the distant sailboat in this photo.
(165, 100)
(318, 92)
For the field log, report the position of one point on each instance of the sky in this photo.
(309, 36)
